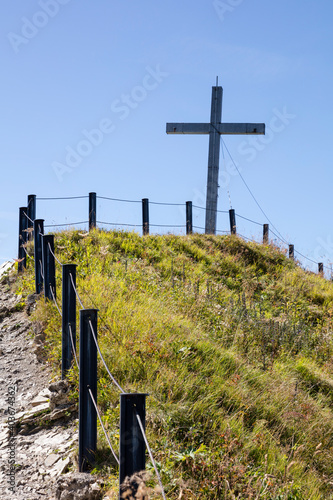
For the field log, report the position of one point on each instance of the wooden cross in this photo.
(215, 129)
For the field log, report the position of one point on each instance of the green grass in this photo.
(233, 343)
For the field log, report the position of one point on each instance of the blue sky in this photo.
(87, 88)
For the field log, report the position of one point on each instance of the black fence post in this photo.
(132, 445)
(232, 218)
(189, 218)
(291, 252)
(38, 232)
(88, 380)
(265, 234)
(145, 216)
(92, 211)
(321, 268)
(68, 317)
(22, 256)
(31, 213)
(48, 266)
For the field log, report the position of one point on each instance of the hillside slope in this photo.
(233, 343)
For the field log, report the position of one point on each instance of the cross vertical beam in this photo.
(213, 161)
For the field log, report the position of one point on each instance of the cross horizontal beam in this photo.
(221, 128)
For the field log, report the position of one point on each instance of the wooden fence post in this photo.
(22, 257)
(48, 266)
(88, 380)
(132, 445)
(145, 216)
(31, 212)
(92, 211)
(232, 218)
(291, 252)
(68, 317)
(189, 218)
(38, 232)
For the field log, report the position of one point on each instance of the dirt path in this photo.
(34, 434)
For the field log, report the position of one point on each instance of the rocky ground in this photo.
(38, 425)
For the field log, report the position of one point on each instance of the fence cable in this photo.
(167, 225)
(245, 238)
(26, 252)
(41, 269)
(64, 198)
(204, 208)
(277, 236)
(54, 255)
(299, 253)
(249, 190)
(150, 454)
(307, 258)
(78, 297)
(102, 320)
(249, 220)
(55, 300)
(139, 225)
(27, 216)
(118, 199)
(118, 224)
(73, 346)
(166, 204)
(102, 358)
(104, 430)
(68, 224)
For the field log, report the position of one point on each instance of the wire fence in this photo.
(102, 425)
(94, 336)
(272, 229)
(276, 233)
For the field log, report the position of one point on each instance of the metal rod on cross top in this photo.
(232, 218)
(145, 216)
(265, 237)
(48, 266)
(31, 213)
(189, 218)
(92, 211)
(22, 257)
(68, 316)
(88, 379)
(38, 232)
(132, 445)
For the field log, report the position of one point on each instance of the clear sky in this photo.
(87, 88)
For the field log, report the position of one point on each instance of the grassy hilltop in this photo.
(233, 343)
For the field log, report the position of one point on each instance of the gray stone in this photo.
(39, 400)
(51, 460)
(5, 267)
(77, 486)
(135, 486)
(60, 467)
(59, 394)
(59, 386)
(30, 303)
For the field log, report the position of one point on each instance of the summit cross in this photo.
(215, 129)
